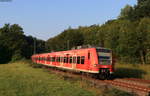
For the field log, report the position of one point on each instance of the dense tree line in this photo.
(14, 45)
(128, 36)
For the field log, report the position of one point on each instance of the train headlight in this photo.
(95, 65)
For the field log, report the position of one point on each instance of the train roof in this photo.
(74, 50)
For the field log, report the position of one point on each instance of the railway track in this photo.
(139, 80)
(136, 86)
(130, 87)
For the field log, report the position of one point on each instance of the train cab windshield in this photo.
(104, 56)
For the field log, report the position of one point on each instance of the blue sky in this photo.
(47, 18)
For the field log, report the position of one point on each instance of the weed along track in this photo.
(136, 86)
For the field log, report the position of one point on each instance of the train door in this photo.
(74, 62)
(88, 61)
(61, 61)
(53, 60)
(48, 60)
(44, 60)
(56, 60)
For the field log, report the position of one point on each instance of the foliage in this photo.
(4, 58)
(65, 41)
(132, 71)
(139, 11)
(15, 45)
(126, 12)
(115, 92)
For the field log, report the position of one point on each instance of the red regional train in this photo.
(98, 61)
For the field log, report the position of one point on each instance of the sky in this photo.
(47, 18)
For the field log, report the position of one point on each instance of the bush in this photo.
(116, 92)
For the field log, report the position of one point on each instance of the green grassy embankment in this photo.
(133, 71)
(20, 79)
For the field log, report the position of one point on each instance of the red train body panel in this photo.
(91, 60)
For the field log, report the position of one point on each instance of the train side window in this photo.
(74, 59)
(82, 59)
(58, 59)
(53, 59)
(67, 59)
(88, 55)
(70, 60)
(78, 60)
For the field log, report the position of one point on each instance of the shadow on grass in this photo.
(4, 61)
(128, 73)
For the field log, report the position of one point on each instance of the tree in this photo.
(141, 10)
(67, 39)
(5, 54)
(127, 48)
(126, 12)
(13, 39)
(143, 38)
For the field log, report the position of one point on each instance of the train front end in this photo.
(105, 62)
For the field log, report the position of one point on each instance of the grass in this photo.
(133, 71)
(20, 79)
